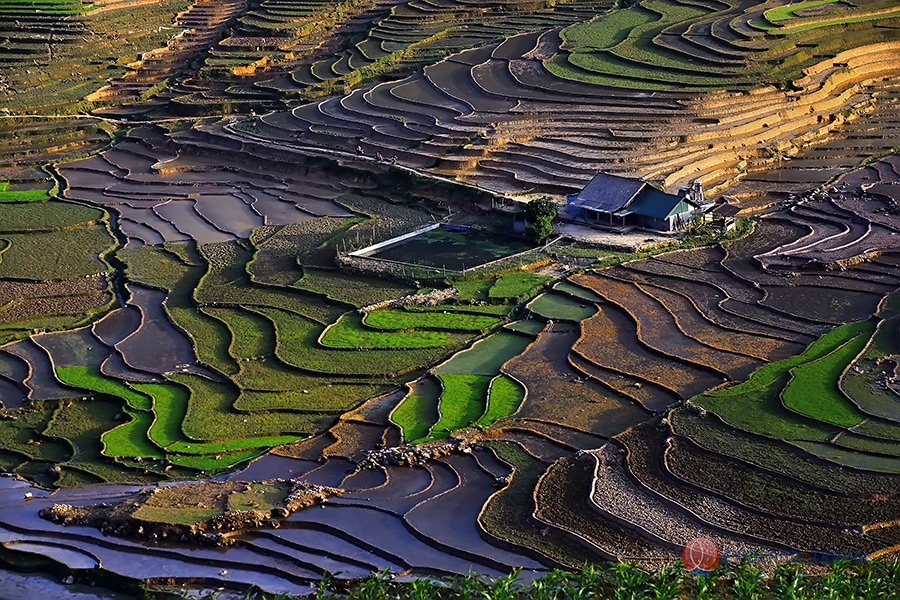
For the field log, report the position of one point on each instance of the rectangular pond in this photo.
(451, 247)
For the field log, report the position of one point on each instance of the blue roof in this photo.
(656, 204)
(608, 193)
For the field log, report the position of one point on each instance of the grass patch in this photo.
(226, 282)
(18, 436)
(508, 515)
(179, 268)
(498, 310)
(462, 402)
(89, 378)
(324, 397)
(867, 444)
(261, 496)
(175, 515)
(504, 397)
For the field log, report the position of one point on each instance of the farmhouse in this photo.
(620, 203)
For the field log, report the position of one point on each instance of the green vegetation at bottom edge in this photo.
(841, 579)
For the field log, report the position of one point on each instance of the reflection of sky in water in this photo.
(16, 586)
(454, 251)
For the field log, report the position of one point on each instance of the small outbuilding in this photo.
(724, 214)
(614, 202)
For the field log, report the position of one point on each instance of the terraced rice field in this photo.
(494, 116)
(171, 306)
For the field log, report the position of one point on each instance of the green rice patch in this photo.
(486, 356)
(349, 332)
(211, 417)
(401, 319)
(766, 374)
(356, 290)
(325, 398)
(233, 445)
(504, 397)
(462, 402)
(130, 439)
(789, 11)
(418, 411)
(754, 405)
(813, 389)
(82, 424)
(606, 30)
(218, 462)
(298, 346)
(530, 327)
(89, 378)
(170, 403)
(557, 306)
(517, 284)
(860, 381)
(851, 458)
(252, 336)
(7, 196)
(475, 289)
(46, 216)
(498, 310)
(567, 287)
(64, 254)
(757, 410)
(19, 435)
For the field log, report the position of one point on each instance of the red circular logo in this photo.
(700, 555)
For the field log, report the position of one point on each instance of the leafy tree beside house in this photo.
(540, 213)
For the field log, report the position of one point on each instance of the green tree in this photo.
(540, 213)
